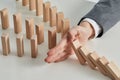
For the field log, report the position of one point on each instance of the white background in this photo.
(26, 68)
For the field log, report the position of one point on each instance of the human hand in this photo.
(63, 50)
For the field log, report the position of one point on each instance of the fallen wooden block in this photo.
(40, 33)
(65, 26)
(32, 5)
(102, 62)
(29, 27)
(114, 70)
(39, 7)
(4, 18)
(17, 23)
(5, 44)
(52, 37)
(59, 18)
(46, 11)
(85, 52)
(53, 11)
(34, 46)
(76, 45)
(25, 2)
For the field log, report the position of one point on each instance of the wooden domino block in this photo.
(39, 7)
(85, 52)
(17, 23)
(32, 5)
(25, 2)
(29, 27)
(53, 11)
(114, 70)
(46, 11)
(52, 37)
(65, 26)
(40, 33)
(59, 18)
(34, 46)
(5, 43)
(102, 62)
(20, 45)
(76, 45)
(4, 18)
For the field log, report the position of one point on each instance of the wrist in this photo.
(89, 28)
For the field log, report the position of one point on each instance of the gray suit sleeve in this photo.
(106, 13)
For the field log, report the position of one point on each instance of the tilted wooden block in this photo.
(5, 44)
(39, 7)
(32, 4)
(20, 45)
(59, 18)
(76, 45)
(102, 62)
(29, 27)
(52, 37)
(25, 2)
(40, 33)
(53, 11)
(17, 23)
(65, 26)
(34, 46)
(4, 18)
(114, 70)
(85, 52)
(46, 11)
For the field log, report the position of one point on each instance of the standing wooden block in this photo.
(65, 26)
(34, 47)
(4, 18)
(46, 11)
(59, 18)
(40, 33)
(52, 37)
(102, 62)
(29, 27)
(85, 52)
(32, 5)
(76, 45)
(20, 45)
(39, 7)
(17, 23)
(53, 11)
(114, 70)
(25, 2)
(5, 44)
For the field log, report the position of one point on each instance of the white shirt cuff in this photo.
(95, 26)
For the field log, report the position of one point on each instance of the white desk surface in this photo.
(26, 68)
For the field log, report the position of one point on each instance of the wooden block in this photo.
(39, 7)
(76, 45)
(85, 52)
(53, 11)
(52, 37)
(65, 26)
(59, 18)
(29, 27)
(46, 11)
(4, 18)
(102, 62)
(5, 43)
(20, 45)
(25, 2)
(40, 33)
(17, 23)
(114, 70)
(32, 5)
(34, 46)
